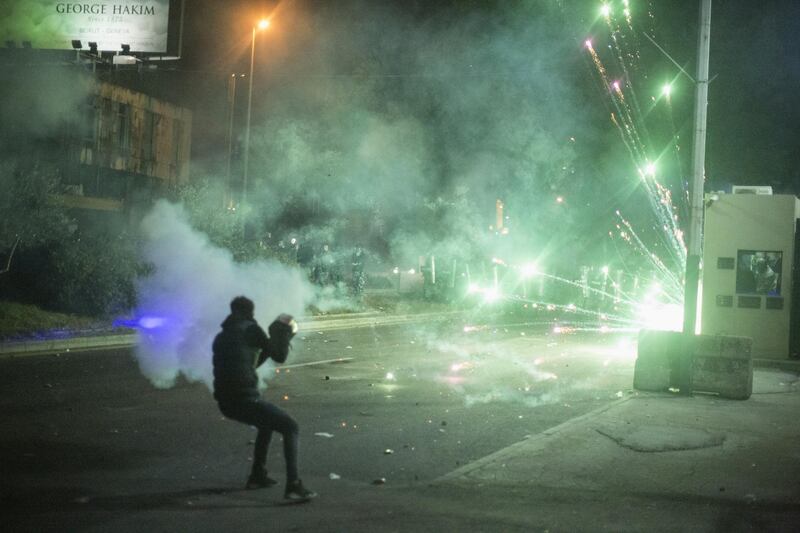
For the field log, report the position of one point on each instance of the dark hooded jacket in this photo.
(240, 348)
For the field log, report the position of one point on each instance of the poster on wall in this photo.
(759, 272)
(53, 25)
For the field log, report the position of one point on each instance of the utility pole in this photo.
(227, 200)
(261, 25)
(694, 245)
(247, 125)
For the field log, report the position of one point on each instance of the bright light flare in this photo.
(666, 90)
(151, 322)
(529, 270)
(263, 24)
(605, 10)
(588, 43)
(626, 349)
(661, 317)
(491, 295)
(458, 367)
(390, 377)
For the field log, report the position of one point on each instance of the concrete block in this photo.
(697, 363)
(723, 365)
(659, 353)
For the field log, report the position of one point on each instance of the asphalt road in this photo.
(87, 440)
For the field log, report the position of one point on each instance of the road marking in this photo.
(324, 361)
(511, 450)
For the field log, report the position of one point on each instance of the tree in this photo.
(28, 216)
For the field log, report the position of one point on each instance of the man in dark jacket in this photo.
(240, 348)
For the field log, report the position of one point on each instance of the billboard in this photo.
(52, 24)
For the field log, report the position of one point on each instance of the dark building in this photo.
(112, 148)
(132, 147)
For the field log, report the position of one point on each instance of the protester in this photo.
(240, 348)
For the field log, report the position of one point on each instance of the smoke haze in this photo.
(185, 298)
(402, 135)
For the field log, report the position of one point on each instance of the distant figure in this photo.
(305, 257)
(240, 348)
(323, 266)
(359, 278)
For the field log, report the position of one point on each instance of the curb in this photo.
(313, 324)
(37, 347)
(793, 365)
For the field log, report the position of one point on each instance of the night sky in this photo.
(753, 109)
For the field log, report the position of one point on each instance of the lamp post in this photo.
(262, 25)
(694, 245)
(228, 199)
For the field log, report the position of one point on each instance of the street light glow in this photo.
(605, 10)
(263, 24)
(666, 90)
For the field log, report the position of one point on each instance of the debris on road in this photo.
(388, 451)
(324, 434)
(334, 476)
(379, 481)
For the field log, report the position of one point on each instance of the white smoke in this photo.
(184, 300)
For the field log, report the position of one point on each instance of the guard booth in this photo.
(751, 268)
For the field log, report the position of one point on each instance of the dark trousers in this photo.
(267, 418)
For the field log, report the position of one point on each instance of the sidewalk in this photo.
(719, 453)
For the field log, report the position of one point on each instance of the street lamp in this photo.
(261, 25)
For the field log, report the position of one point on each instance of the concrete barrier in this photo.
(718, 364)
(723, 365)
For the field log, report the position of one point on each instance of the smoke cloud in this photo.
(402, 136)
(185, 298)
(41, 100)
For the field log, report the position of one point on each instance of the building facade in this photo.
(130, 148)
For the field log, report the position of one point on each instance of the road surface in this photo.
(88, 443)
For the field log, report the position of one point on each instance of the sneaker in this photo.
(296, 491)
(259, 479)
